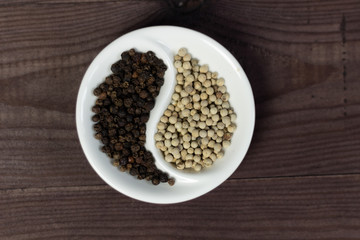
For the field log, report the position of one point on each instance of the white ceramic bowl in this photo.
(165, 41)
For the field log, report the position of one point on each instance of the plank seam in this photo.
(105, 186)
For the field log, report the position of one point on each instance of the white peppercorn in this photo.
(159, 145)
(195, 68)
(183, 131)
(177, 64)
(189, 79)
(213, 157)
(187, 137)
(195, 133)
(161, 125)
(188, 156)
(185, 125)
(171, 128)
(175, 142)
(203, 117)
(199, 122)
(189, 106)
(201, 77)
(185, 112)
(164, 119)
(204, 103)
(194, 144)
(196, 97)
(223, 112)
(188, 163)
(225, 97)
(183, 93)
(190, 150)
(209, 91)
(196, 105)
(169, 158)
(217, 147)
(215, 118)
(208, 75)
(211, 144)
(212, 98)
(167, 135)
(175, 96)
(225, 105)
(202, 125)
(178, 125)
(220, 155)
(202, 133)
(220, 82)
(226, 144)
(180, 166)
(205, 141)
(206, 152)
(183, 153)
(226, 120)
(231, 128)
(207, 84)
(167, 143)
(158, 137)
(205, 110)
(197, 151)
(196, 117)
(186, 72)
(220, 133)
(186, 65)
(189, 88)
(218, 101)
(187, 57)
(197, 85)
(182, 52)
(204, 68)
(171, 107)
(207, 162)
(210, 133)
(167, 113)
(197, 167)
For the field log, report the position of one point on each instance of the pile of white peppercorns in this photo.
(199, 122)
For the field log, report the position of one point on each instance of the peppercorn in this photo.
(124, 101)
(199, 122)
(155, 181)
(95, 118)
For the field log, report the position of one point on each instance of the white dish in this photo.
(165, 41)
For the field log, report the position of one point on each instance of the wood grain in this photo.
(288, 208)
(300, 178)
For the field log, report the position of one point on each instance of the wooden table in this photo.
(300, 178)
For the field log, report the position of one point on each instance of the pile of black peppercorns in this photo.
(122, 109)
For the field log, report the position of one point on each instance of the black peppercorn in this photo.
(124, 101)
(95, 118)
(155, 181)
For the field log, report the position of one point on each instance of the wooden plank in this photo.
(44, 52)
(292, 54)
(291, 51)
(285, 208)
